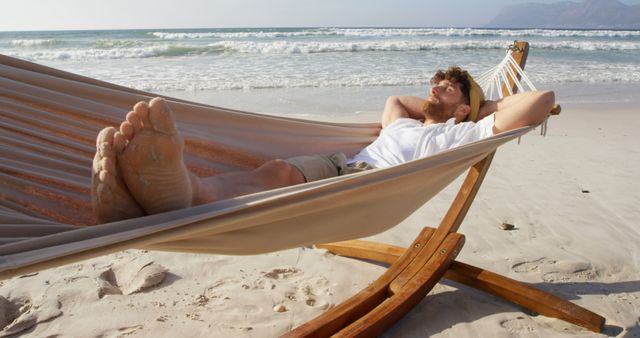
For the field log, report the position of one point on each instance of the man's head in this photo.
(454, 93)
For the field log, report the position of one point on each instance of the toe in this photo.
(105, 136)
(161, 116)
(127, 130)
(106, 178)
(134, 119)
(119, 142)
(106, 150)
(96, 166)
(109, 165)
(141, 109)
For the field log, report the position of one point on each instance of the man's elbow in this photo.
(390, 110)
(548, 99)
(393, 100)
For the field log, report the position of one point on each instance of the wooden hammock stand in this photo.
(414, 271)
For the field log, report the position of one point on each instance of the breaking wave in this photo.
(30, 43)
(391, 32)
(130, 49)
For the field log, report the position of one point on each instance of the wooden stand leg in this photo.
(378, 306)
(511, 290)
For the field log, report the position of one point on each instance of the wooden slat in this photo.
(374, 251)
(385, 253)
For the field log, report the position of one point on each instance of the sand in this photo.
(572, 196)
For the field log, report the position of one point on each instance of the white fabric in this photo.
(406, 139)
(45, 178)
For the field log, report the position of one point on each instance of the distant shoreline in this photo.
(320, 27)
(328, 59)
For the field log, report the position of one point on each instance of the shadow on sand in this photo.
(447, 309)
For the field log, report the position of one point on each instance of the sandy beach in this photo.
(572, 196)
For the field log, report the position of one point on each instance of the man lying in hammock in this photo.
(150, 175)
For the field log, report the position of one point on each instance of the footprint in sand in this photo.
(564, 271)
(312, 290)
(264, 284)
(219, 298)
(221, 291)
(131, 277)
(302, 289)
(282, 273)
(122, 331)
(223, 287)
(269, 280)
(532, 266)
(557, 271)
(519, 325)
(224, 282)
(17, 315)
(279, 289)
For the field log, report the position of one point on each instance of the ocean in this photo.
(232, 66)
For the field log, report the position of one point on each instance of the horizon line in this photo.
(321, 27)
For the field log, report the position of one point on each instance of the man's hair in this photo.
(455, 75)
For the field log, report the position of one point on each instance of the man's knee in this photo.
(282, 172)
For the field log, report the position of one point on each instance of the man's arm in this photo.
(402, 106)
(519, 110)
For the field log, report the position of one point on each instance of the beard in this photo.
(438, 111)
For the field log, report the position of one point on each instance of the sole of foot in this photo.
(110, 197)
(151, 162)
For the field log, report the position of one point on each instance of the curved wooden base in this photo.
(516, 292)
(390, 297)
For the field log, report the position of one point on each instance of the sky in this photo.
(19, 15)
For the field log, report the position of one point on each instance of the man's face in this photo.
(443, 100)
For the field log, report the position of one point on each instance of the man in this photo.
(139, 169)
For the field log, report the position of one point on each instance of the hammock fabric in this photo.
(48, 123)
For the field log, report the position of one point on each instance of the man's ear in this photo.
(462, 112)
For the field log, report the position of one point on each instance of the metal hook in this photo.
(514, 48)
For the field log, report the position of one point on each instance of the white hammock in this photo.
(49, 120)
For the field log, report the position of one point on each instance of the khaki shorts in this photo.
(318, 167)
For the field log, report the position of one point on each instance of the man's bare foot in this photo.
(110, 197)
(152, 163)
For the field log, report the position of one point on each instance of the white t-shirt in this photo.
(407, 139)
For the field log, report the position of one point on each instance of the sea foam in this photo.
(126, 49)
(248, 59)
(399, 32)
(37, 42)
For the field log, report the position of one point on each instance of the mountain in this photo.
(590, 14)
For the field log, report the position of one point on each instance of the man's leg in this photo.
(271, 175)
(152, 166)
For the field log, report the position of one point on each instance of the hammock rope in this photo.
(503, 76)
